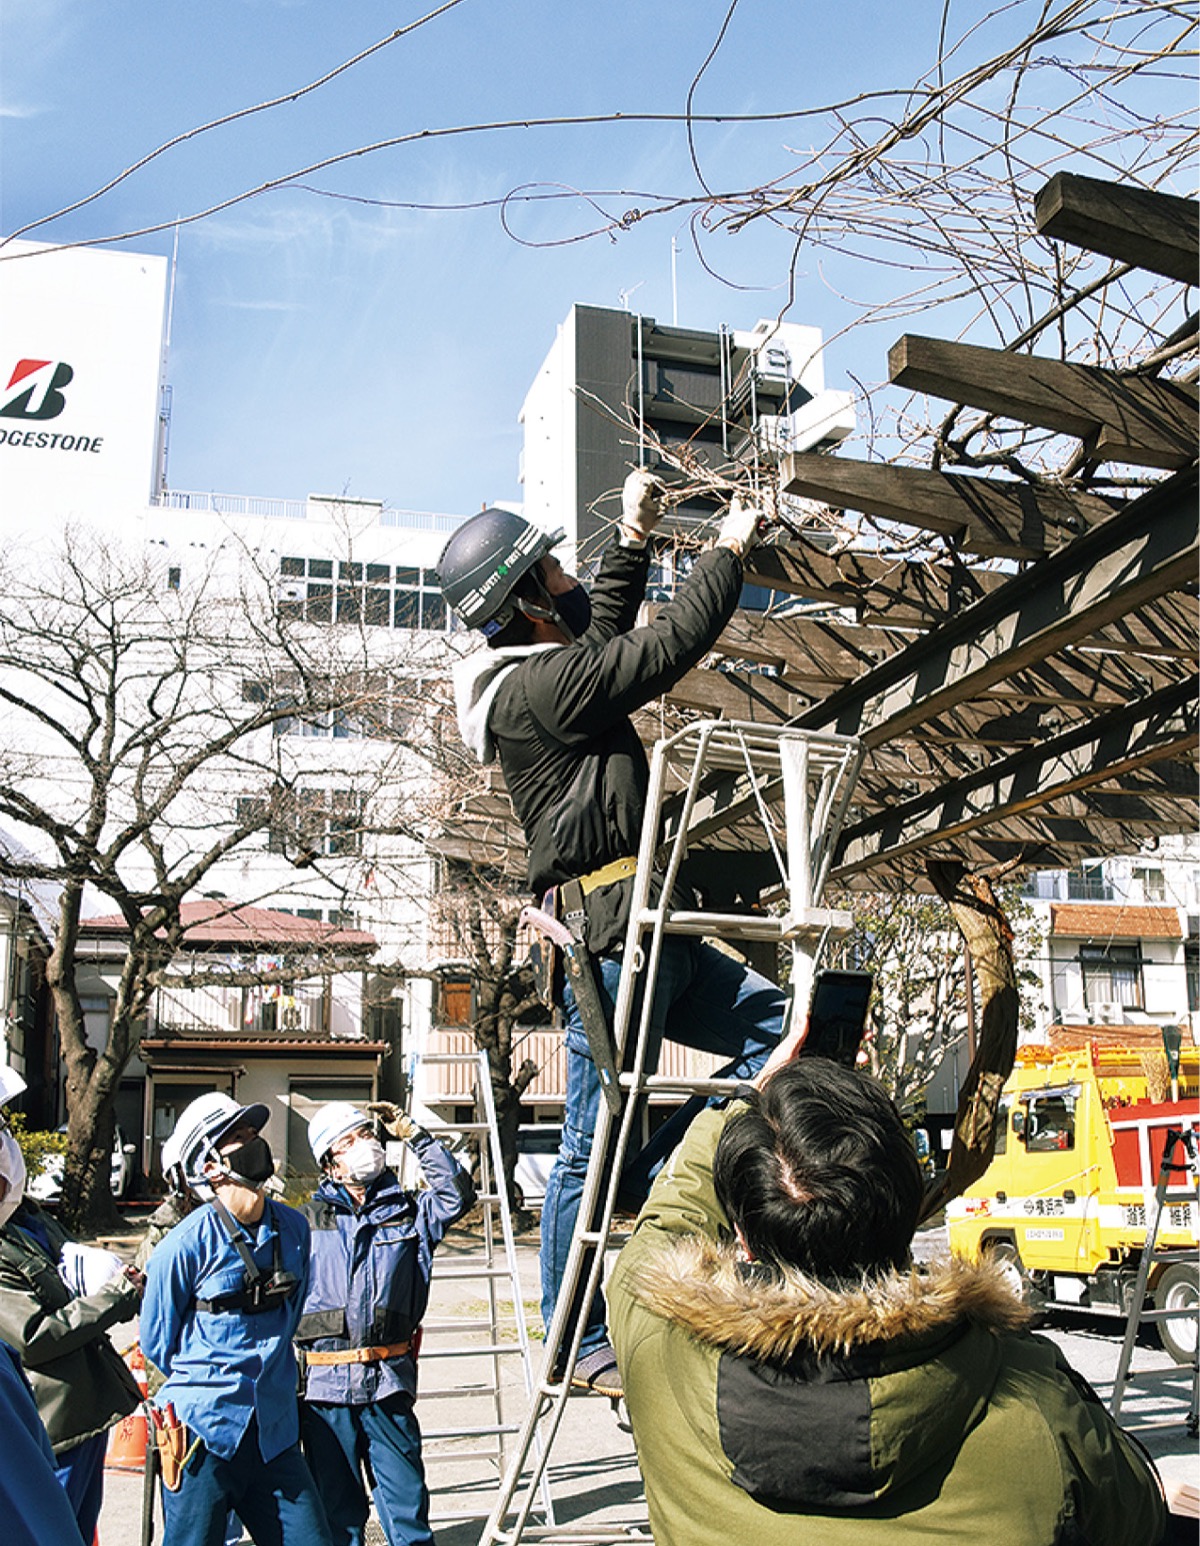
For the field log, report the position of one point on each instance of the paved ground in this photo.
(593, 1476)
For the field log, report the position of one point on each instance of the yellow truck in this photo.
(1069, 1194)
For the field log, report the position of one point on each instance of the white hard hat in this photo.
(11, 1083)
(332, 1122)
(203, 1124)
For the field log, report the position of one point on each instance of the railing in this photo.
(296, 509)
(452, 1082)
(237, 1011)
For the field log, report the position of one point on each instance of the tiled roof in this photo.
(1114, 920)
(214, 922)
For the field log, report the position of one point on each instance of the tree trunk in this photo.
(988, 940)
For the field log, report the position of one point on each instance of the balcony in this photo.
(215, 1011)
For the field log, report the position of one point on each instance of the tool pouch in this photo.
(172, 1441)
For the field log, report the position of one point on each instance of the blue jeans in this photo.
(337, 1439)
(275, 1499)
(703, 999)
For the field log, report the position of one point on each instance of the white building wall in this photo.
(548, 459)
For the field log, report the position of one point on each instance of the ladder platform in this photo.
(809, 924)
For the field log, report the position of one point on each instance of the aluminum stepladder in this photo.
(1185, 1140)
(793, 785)
(492, 1338)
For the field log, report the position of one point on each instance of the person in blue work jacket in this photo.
(224, 1292)
(372, 1253)
(34, 1507)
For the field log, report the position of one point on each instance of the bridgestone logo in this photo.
(36, 390)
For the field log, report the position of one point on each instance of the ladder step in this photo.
(1167, 1315)
(465, 1270)
(811, 924)
(682, 1085)
(479, 1350)
(457, 1127)
(452, 1393)
(484, 1431)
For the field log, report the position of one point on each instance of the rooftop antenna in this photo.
(164, 389)
(623, 295)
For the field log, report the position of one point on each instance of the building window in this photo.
(1191, 965)
(455, 1001)
(1152, 881)
(1088, 883)
(308, 824)
(1112, 974)
(375, 705)
(320, 590)
(174, 578)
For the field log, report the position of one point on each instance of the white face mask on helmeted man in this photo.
(361, 1161)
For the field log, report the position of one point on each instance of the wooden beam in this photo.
(907, 593)
(746, 695)
(982, 515)
(813, 654)
(1155, 231)
(1160, 728)
(1146, 550)
(1132, 419)
(898, 590)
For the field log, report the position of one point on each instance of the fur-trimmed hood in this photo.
(703, 1286)
(828, 1398)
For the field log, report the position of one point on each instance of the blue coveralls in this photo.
(369, 1288)
(231, 1377)
(33, 1506)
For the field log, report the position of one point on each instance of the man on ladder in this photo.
(552, 697)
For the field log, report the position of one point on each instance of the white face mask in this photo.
(362, 1161)
(12, 1168)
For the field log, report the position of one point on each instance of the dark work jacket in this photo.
(558, 718)
(81, 1384)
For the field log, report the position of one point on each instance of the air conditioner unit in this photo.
(1108, 1012)
(822, 423)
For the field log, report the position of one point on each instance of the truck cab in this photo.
(1066, 1201)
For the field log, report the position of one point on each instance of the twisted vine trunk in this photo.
(989, 941)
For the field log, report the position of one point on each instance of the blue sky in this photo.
(322, 345)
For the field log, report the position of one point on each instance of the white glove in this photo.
(641, 504)
(739, 529)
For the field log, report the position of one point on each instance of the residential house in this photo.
(261, 1004)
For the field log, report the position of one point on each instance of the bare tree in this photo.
(919, 1013)
(478, 913)
(140, 756)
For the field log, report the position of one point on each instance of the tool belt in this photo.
(359, 1354)
(607, 875)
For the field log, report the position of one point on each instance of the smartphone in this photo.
(837, 1016)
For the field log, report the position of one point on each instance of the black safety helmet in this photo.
(481, 564)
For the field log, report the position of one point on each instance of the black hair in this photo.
(519, 628)
(820, 1173)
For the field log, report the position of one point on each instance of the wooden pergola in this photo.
(1036, 713)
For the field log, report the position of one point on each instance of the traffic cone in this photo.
(127, 1441)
